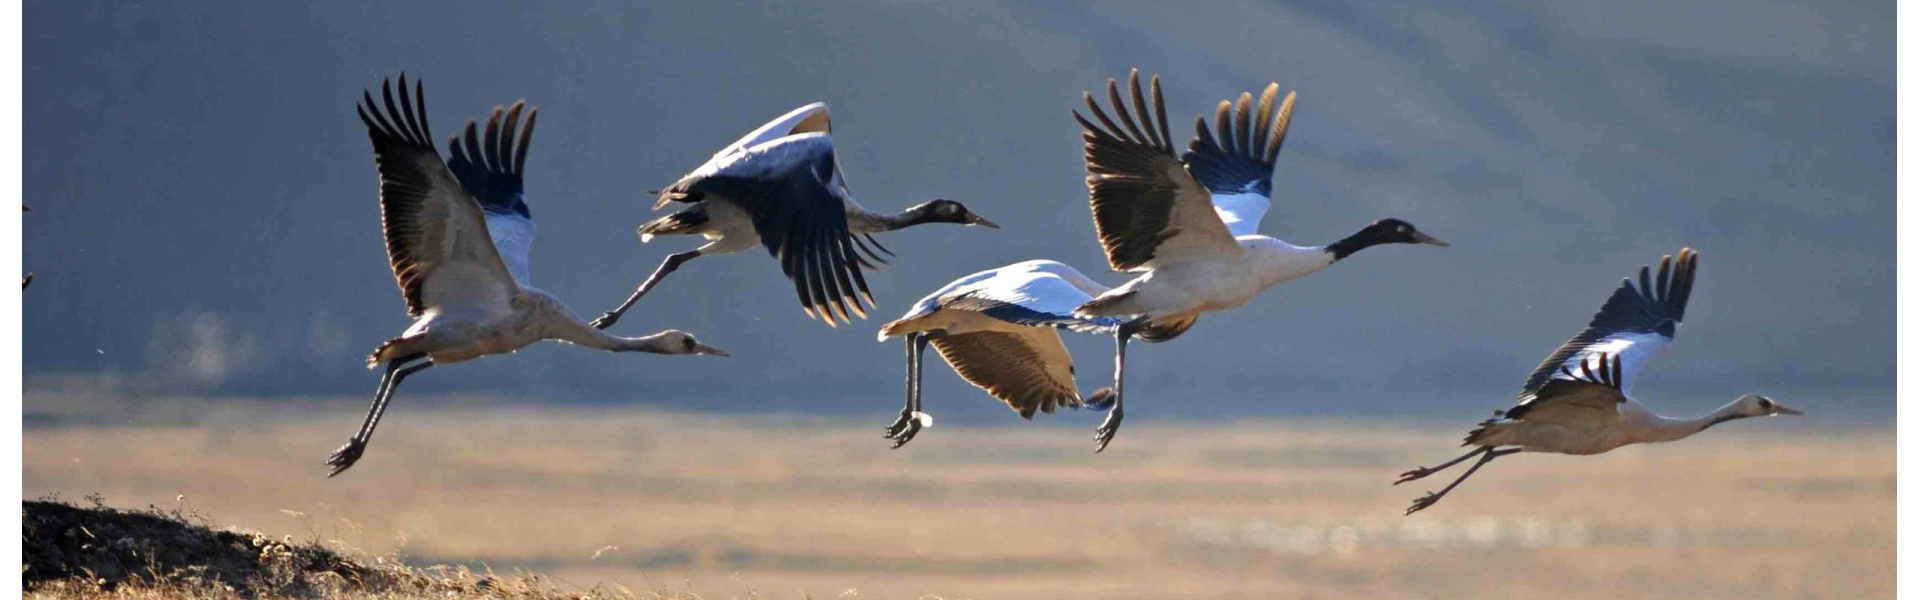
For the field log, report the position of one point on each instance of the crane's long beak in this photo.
(1782, 410)
(973, 219)
(1427, 239)
(699, 348)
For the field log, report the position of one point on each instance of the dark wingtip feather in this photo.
(1281, 122)
(492, 145)
(1243, 117)
(526, 139)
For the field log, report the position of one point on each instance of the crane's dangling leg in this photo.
(672, 262)
(397, 370)
(1104, 434)
(911, 418)
(1419, 472)
(1486, 456)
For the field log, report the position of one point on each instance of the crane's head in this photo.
(947, 211)
(1384, 231)
(1395, 231)
(674, 341)
(1755, 405)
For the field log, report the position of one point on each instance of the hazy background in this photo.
(205, 218)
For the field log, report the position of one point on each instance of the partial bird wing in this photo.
(1147, 208)
(1633, 326)
(437, 240)
(785, 186)
(1028, 297)
(1237, 166)
(1589, 391)
(492, 173)
(812, 118)
(1029, 369)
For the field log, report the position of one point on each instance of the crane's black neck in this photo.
(861, 221)
(1367, 237)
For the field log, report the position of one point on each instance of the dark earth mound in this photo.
(101, 552)
(112, 547)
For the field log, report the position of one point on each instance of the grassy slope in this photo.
(82, 552)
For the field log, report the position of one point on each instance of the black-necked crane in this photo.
(998, 330)
(781, 187)
(1576, 401)
(458, 234)
(1187, 224)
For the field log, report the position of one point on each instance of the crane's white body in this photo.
(998, 330)
(1591, 431)
(1577, 400)
(458, 236)
(1179, 287)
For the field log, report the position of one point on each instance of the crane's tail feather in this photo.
(1102, 399)
(1107, 305)
(680, 223)
(389, 350)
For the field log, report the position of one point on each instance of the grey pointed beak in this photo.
(973, 219)
(1427, 239)
(1782, 410)
(705, 349)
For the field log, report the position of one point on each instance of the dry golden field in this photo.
(765, 507)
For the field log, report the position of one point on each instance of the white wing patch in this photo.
(513, 238)
(1241, 212)
(812, 118)
(770, 159)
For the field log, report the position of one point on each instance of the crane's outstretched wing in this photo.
(1633, 326)
(1593, 384)
(785, 186)
(437, 240)
(492, 173)
(1028, 369)
(1146, 206)
(1035, 293)
(1030, 298)
(1237, 166)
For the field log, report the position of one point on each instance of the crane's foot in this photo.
(344, 458)
(1416, 473)
(908, 425)
(605, 320)
(1104, 434)
(1423, 502)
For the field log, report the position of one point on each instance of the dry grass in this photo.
(100, 552)
(740, 508)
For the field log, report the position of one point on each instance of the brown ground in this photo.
(733, 507)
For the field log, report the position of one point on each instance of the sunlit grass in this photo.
(736, 507)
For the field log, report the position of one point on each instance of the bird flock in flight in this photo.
(1183, 224)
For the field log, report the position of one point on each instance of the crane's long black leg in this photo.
(672, 262)
(906, 411)
(1104, 434)
(397, 370)
(909, 423)
(1486, 456)
(1419, 472)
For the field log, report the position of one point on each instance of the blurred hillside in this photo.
(205, 219)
